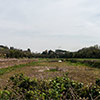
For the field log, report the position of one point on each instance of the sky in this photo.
(49, 24)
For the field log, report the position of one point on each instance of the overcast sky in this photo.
(49, 24)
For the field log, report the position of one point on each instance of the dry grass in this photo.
(79, 73)
(4, 63)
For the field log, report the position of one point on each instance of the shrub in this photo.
(21, 87)
(98, 82)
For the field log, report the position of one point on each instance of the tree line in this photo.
(11, 52)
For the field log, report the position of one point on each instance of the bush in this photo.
(21, 87)
(98, 82)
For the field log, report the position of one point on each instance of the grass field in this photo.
(49, 68)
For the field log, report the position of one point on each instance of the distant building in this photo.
(58, 51)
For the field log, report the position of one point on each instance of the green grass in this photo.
(77, 64)
(83, 62)
(95, 59)
(9, 69)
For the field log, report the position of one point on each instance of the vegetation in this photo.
(58, 87)
(54, 69)
(21, 87)
(14, 53)
(9, 69)
(90, 52)
(49, 68)
(91, 63)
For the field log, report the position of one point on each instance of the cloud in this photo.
(50, 23)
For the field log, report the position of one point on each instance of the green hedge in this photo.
(91, 63)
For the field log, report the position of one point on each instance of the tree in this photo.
(28, 50)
